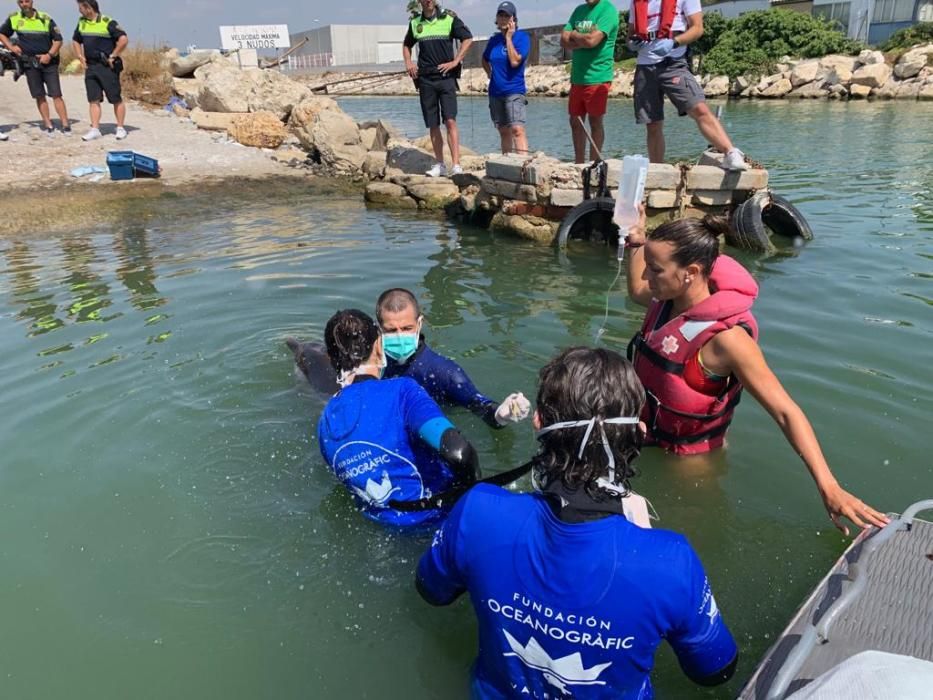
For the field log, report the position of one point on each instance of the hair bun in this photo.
(716, 224)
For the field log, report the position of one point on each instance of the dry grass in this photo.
(144, 77)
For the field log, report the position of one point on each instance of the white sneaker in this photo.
(4, 136)
(734, 160)
(121, 133)
(91, 135)
(439, 170)
(456, 170)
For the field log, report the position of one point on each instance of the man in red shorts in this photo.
(591, 35)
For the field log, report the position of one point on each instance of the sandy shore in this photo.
(31, 159)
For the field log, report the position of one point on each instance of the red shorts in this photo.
(588, 99)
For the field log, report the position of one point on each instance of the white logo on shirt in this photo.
(560, 673)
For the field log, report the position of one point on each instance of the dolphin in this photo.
(314, 363)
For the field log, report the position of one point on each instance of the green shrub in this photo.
(754, 42)
(921, 33)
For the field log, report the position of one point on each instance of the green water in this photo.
(168, 529)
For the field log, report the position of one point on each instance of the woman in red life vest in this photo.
(697, 350)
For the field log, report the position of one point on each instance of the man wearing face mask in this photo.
(408, 355)
(386, 441)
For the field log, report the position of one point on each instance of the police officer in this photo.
(39, 42)
(99, 41)
(435, 75)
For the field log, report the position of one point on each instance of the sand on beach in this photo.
(186, 154)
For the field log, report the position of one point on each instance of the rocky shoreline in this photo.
(870, 75)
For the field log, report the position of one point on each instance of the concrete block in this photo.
(710, 177)
(712, 198)
(512, 169)
(662, 199)
(662, 176)
(509, 190)
(214, 121)
(566, 198)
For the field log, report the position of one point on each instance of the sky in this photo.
(184, 22)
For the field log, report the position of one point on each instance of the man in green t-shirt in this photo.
(591, 35)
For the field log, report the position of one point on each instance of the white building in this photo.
(348, 44)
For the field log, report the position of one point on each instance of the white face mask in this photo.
(610, 483)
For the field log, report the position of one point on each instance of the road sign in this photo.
(263, 36)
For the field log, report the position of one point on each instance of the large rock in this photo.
(739, 85)
(533, 228)
(859, 92)
(843, 66)
(805, 72)
(434, 195)
(717, 86)
(926, 92)
(259, 130)
(912, 62)
(225, 88)
(870, 58)
(274, 92)
(405, 157)
(328, 133)
(838, 92)
(374, 166)
(387, 194)
(907, 89)
(872, 75)
(185, 66)
(812, 90)
(187, 89)
(778, 89)
(377, 134)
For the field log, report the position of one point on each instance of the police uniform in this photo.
(99, 39)
(434, 38)
(35, 36)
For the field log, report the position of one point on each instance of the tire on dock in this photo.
(591, 220)
(764, 213)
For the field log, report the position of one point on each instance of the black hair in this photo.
(395, 300)
(93, 4)
(694, 240)
(579, 384)
(350, 336)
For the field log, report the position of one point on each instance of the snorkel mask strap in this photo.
(590, 424)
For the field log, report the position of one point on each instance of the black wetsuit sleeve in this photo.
(460, 454)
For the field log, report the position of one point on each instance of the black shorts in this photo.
(44, 81)
(438, 98)
(101, 79)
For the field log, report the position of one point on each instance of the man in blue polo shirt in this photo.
(572, 590)
(504, 63)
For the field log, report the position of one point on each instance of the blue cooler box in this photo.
(121, 165)
(145, 166)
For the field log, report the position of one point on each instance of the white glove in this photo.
(515, 408)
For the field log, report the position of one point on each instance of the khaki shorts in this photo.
(671, 78)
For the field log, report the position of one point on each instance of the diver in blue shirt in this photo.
(400, 318)
(572, 589)
(386, 440)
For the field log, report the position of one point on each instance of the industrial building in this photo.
(348, 45)
(871, 21)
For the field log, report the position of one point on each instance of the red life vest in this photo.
(679, 418)
(639, 20)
